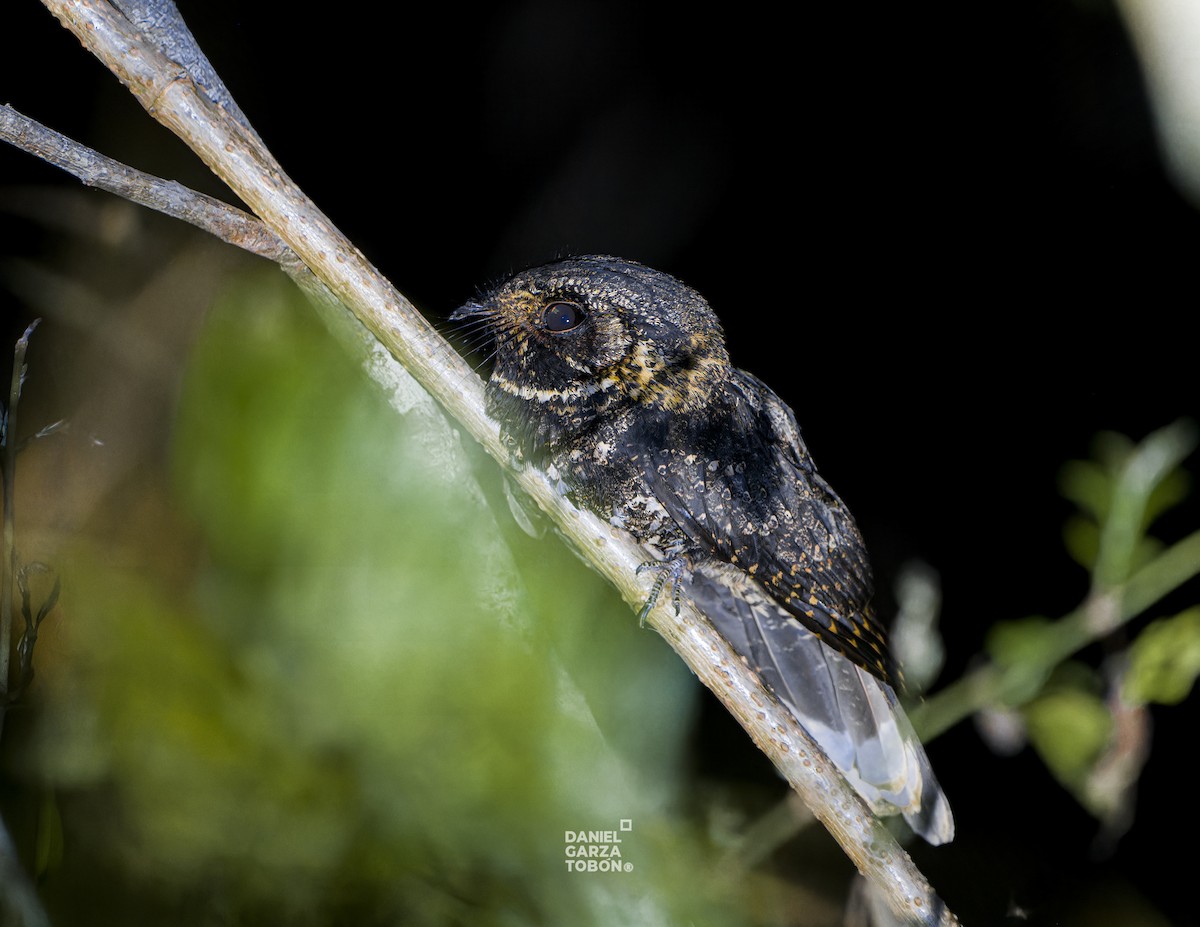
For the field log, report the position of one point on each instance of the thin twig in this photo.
(992, 684)
(1113, 601)
(10, 481)
(235, 153)
(226, 222)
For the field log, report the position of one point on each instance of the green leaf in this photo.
(1088, 485)
(1112, 450)
(1119, 493)
(1082, 539)
(1164, 661)
(1070, 729)
(48, 846)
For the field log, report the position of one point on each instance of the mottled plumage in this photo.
(616, 378)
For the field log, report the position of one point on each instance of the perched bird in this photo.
(615, 379)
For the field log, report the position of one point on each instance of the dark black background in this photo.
(942, 234)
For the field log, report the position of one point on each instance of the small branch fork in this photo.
(143, 43)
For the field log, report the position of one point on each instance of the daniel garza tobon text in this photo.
(594, 851)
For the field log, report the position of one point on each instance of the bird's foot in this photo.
(668, 570)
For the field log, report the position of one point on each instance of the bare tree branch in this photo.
(162, 23)
(234, 152)
(226, 222)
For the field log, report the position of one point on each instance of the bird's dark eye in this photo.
(562, 317)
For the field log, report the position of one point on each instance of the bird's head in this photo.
(594, 334)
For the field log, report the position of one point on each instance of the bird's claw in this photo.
(670, 570)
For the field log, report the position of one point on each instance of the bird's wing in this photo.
(853, 715)
(752, 497)
(779, 566)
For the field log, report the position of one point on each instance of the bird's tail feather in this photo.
(854, 716)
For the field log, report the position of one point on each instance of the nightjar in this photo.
(616, 377)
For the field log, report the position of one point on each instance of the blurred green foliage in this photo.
(1164, 661)
(1084, 721)
(1024, 649)
(1119, 495)
(1070, 726)
(354, 706)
